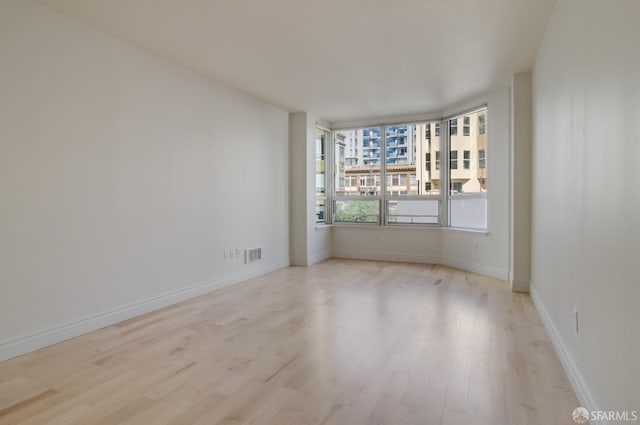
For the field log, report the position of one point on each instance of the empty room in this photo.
(384, 212)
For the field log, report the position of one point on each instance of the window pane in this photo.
(466, 126)
(399, 138)
(321, 143)
(320, 209)
(468, 203)
(453, 160)
(322, 137)
(357, 211)
(357, 162)
(471, 178)
(469, 212)
(413, 211)
(427, 150)
(400, 159)
(409, 166)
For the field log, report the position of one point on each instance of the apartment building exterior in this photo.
(413, 158)
(467, 156)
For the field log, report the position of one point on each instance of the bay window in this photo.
(392, 180)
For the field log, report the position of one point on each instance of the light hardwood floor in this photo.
(341, 342)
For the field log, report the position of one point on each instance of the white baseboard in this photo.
(427, 259)
(35, 341)
(519, 286)
(385, 256)
(489, 271)
(316, 258)
(573, 373)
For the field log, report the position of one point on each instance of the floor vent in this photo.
(251, 255)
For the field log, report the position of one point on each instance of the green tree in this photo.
(357, 211)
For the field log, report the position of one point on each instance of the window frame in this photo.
(326, 144)
(453, 124)
(369, 161)
(453, 160)
(451, 197)
(442, 164)
(466, 159)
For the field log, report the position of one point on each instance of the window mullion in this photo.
(383, 175)
(330, 177)
(445, 137)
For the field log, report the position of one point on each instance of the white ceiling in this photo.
(341, 59)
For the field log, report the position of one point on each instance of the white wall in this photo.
(486, 253)
(122, 179)
(586, 195)
(310, 242)
(521, 133)
(369, 242)
(298, 129)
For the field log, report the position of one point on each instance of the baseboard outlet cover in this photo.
(54, 335)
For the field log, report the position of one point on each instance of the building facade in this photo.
(413, 158)
(467, 156)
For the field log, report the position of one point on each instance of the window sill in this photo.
(407, 227)
(462, 229)
(323, 226)
(357, 225)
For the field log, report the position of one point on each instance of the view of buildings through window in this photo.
(468, 173)
(409, 155)
(322, 138)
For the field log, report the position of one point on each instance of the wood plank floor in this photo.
(341, 342)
